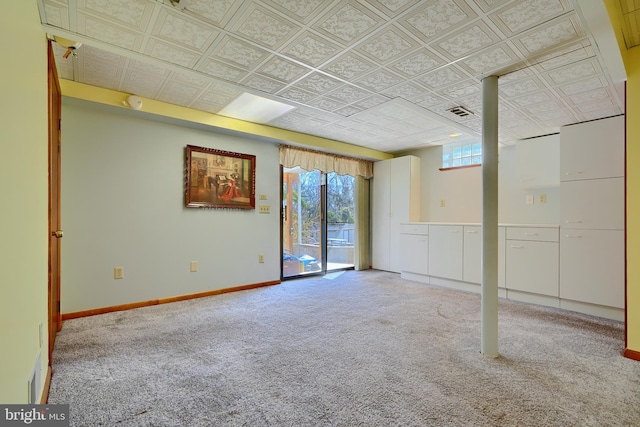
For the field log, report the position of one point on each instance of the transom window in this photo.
(459, 154)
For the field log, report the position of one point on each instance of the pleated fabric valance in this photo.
(325, 162)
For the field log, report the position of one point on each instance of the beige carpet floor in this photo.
(363, 349)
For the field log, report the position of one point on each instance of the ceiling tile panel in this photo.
(311, 49)
(283, 70)
(57, 13)
(582, 86)
(223, 71)
(438, 17)
(490, 60)
(237, 52)
(522, 15)
(142, 84)
(297, 95)
(467, 40)
(263, 84)
(442, 77)
(348, 111)
(379, 80)
(568, 55)
(371, 102)
(327, 104)
(347, 23)
(179, 93)
(521, 87)
(389, 44)
(554, 33)
(406, 90)
(417, 63)
(318, 83)
(171, 53)
(300, 10)
(130, 13)
(184, 31)
(349, 94)
(218, 12)
(393, 8)
(108, 32)
(100, 68)
(578, 70)
(265, 27)
(533, 98)
(349, 66)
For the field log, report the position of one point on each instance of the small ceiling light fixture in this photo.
(69, 44)
(133, 102)
(460, 111)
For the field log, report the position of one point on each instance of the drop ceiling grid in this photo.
(342, 57)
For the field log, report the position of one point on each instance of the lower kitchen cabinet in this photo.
(592, 266)
(414, 248)
(531, 264)
(446, 251)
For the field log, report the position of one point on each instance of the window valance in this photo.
(325, 162)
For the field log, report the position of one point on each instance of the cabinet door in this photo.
(401, 204)
(538, 161)
(592, 150)
(592, 266)
(532, 267)
(445, 251)
(593, 204)
(472, 255)
(414, 253)
(380, 211)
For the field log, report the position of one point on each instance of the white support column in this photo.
(489, 290)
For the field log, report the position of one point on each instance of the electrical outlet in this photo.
(529, 199)
(542, 198)
(442, 203)
(118, 273)
(260, 258)
(194, 266)
(264, 209)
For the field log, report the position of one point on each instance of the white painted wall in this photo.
(123, 206)
(461, 191)
(24, 213)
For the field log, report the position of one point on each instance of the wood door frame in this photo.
(54, 116)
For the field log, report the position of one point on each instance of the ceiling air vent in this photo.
(460, 111)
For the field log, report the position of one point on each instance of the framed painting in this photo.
(219, 179)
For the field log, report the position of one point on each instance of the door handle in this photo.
(57, 233)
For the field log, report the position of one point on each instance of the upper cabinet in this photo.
(538, 162)
(592, 150)
(395, 199)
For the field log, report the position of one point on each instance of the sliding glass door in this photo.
(318, 222)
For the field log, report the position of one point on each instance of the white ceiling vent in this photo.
(460, 111)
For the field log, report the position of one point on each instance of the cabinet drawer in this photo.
(539, 234)
(422, 229)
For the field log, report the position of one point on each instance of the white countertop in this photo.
(479, 224)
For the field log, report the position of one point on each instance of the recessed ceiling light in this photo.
(256, 109)
(453, 135)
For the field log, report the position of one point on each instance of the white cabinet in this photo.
(414, 248)
(532, 260)
(593, 204)
(446, 251)
(472, 254)
(592, 150)
(395, 198)
(592, 266)
(538, 162)
(592, 252)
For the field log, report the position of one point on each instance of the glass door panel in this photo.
(302, 231)
(340, 221)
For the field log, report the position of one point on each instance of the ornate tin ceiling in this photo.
(379, 73)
